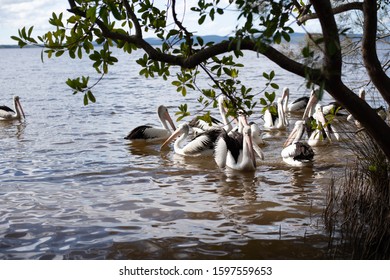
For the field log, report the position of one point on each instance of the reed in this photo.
(357, 215)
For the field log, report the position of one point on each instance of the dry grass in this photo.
(357, 215)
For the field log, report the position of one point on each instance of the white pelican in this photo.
(236, 151)
(199, 126)
(295, 152)
(278, 121)
(321, 134)
(7, 113)
(201, 145)
(149, 133)
(323, 131)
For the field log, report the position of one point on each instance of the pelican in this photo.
(278, 121)
(149, 133)
(380, 110)
(321, 134)
(295, 152)
(323, 131)
(201, 145)
(199, 126)
(236, 150)
(7, 113)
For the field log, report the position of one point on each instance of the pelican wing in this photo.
(201, 124)
(228, 144)
(220, 152)
(298, 151)
(147, 132)
(299, 104)
(203, 143)
(6, 112)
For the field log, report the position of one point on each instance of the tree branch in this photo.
(337, 10)
(370, 56)
(131, 15)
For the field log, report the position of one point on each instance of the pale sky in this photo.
(15, 14)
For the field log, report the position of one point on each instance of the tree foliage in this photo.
(261, 25)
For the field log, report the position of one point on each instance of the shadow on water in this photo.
(185, 248)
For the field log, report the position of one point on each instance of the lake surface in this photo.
(72, 188)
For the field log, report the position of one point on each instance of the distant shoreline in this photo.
(295, 37)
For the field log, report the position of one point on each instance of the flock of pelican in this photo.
(238, 147)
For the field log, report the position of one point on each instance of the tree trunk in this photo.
(370, 56)
(368, 118)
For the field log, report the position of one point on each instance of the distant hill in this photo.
(295, 38)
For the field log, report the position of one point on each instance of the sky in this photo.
(15, 14)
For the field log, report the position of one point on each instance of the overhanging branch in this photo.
(337, 10)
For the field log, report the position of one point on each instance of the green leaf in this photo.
(59, 53)
(286, 36)
(277, 38)
(85, 99)
(114, 10)
(91, 13)
(201, 19)
(91, 97)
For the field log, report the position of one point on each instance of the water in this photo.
(72, 188)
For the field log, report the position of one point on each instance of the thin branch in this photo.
(131, 16)
(188, 34)
(337, 10)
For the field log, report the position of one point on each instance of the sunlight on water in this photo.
(72, 187)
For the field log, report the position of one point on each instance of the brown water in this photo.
(71, 187)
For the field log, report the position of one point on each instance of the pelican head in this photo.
(183, 128)
(313, 100)
(296, 134)
(164, 116)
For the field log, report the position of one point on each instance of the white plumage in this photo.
(280, 120)
(295, 152)
(236, 150)
(201, 145)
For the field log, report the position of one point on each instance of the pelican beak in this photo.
(21, 108)
(169, 119)
(248, 138)
(291, 137)
(312, 101)
(175, 134)
(243, 120)
(286, 93)
(258, 151)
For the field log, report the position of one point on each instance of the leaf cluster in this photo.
(269, 101)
